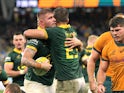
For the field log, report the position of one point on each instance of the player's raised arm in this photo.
(35, 33)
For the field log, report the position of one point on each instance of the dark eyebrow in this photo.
(117, 29)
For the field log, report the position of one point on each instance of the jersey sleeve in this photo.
(104, 53)
(33, 44)
(98, 45)
(9, 59)
(102, 41)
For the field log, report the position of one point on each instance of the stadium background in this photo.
(86, 16)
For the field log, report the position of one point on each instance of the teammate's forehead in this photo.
(49, 14)
(44, 11)
(117, 28)
(18, 36)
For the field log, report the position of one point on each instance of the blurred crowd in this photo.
(86, 21)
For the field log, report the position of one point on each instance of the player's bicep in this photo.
(29, 53)
(28, 56)
(94, 56)
(35, 33)
(104, 65)
(8, 66)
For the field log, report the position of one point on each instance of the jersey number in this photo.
(69, 55)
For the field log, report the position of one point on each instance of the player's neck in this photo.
(41, 26)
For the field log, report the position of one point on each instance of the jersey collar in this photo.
(64, 26)
(119, 44)
(39, 28)
(16, 50)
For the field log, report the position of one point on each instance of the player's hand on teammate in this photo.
(72, 42)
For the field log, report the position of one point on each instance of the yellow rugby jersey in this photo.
(114, 53)
(100, 43)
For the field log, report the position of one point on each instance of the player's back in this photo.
(66, 61)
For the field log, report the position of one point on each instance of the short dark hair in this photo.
(115, 21)
(18, 33)
(61, 14)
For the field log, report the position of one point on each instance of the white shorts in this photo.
(71, 86)
(35, 87)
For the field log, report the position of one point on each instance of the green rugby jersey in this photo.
(66, 61)
(15, 58)
(87, 53)
(3, 76)
(42, 50)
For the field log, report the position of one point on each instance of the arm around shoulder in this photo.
(35, 33)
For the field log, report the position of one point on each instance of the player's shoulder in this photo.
(12, 53)
(110, 44)
(53, 31)
(106, 34)
(105, 37)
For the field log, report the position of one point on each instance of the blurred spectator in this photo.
(85, 31)
(4, 49)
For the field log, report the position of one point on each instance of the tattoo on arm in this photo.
(27, 59)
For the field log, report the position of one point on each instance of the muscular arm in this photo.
(35, 33)
(101, 75)
(91, 64)
(41, 34)
(27, 59)
(91, 68)
(8, 67)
